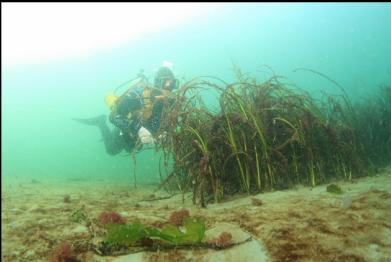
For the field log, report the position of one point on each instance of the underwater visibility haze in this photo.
(293, 94)
(348, 42)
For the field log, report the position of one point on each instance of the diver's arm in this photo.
(118, 121)
(160, 97)
(163, 94)
(134, 127)
(126, 125)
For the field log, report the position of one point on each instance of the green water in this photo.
(351, 43)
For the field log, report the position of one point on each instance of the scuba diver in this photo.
(135, 114)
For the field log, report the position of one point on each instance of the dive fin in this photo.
(94, 121)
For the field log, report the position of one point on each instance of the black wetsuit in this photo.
(125, 133)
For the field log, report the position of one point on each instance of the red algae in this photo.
(111, 218)
(63, 253)
(177, 218)
(223, 240)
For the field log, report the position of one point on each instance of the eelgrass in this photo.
(265, 137)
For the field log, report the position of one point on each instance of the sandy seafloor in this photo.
(300, 224)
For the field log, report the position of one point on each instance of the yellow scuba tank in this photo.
(111, 99)
(138, 85)
(146, 112)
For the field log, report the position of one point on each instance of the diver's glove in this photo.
(145, 136)
(162, 136)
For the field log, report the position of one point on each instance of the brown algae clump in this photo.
(335, 189)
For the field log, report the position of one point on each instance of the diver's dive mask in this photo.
(169, 84)
(165, 79)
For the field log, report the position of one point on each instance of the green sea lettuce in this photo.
(126, 235)
(194, 231)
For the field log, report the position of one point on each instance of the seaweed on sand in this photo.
(124, 236)
(335, 189)
(265, 136)
(137, 237)
(373, 126)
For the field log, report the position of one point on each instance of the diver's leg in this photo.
(113, 141)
